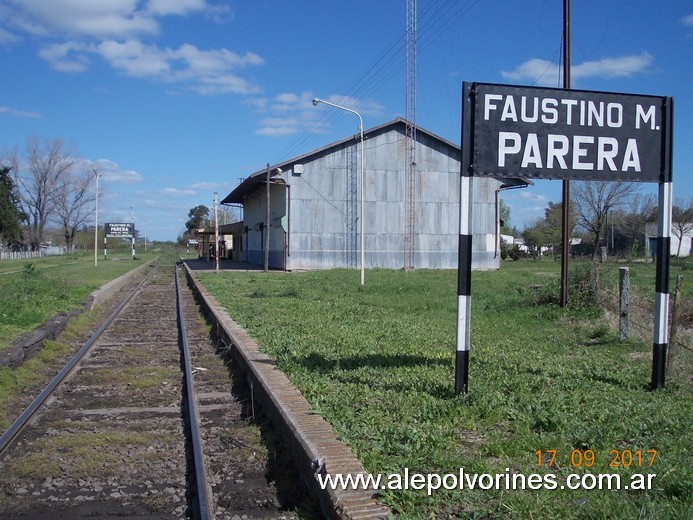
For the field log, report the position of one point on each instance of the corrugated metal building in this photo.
(314, 206)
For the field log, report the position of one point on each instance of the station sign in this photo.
(547, 133)
(120, 230)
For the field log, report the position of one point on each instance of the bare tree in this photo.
(633, 219)
(74, 202)
(682, 220)
(593, 201)
(41, 182)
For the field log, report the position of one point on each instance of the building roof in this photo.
(224, 229)
(259, 178)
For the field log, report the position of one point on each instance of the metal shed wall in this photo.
(323, 209)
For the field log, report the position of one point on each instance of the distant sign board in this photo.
(120, 230)
(566, 134)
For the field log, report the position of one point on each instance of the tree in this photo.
(593, 201)
(632, 221)
(504, 214)
(682, 221)
(40, 183)
(198, 218)
(547, 231)
(74, 203)
(11, 216)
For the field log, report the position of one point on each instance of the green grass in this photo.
(35, 290)
(378, 363)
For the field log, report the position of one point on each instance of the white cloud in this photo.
(111, 29)
(66, 57)
(20, 114)
(362, 106)
(111, 172)
(206, 186)
(290, 101)
(175, 192)
(276, 127)
(82, 18)
(614, 67)
(134, 58)
(205, 72)
(177, 7)
(290, 112)
(546, 73)
(7, 37)
(687, 20)
(219, 14)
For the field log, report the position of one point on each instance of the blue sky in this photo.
(173, 100)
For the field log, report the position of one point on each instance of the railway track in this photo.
(120, 434)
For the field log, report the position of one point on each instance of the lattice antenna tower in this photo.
(410, 137)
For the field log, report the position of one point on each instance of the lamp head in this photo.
(315, 102)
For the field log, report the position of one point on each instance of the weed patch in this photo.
(377, 361)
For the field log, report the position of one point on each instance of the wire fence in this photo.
(640, 310)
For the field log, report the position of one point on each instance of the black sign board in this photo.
(120, 230)
(549, 133)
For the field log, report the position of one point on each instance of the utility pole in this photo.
(96, 218)
(410, 138)
(566, 183)
(216, 232)
(132, 219)
(267, 220)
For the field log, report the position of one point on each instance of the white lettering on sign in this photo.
(553, 133)
(562, 152)
(643, 116)
(533, 148)
(550, 111)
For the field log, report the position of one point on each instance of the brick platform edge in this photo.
(106, 291)
(309, 436)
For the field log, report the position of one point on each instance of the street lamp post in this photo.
(315, 103)
(96, 218)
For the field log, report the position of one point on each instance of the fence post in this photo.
(674, 320)
(624, 301)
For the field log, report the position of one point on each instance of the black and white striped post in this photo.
(464, 254)
(661, 323)
(464, 286)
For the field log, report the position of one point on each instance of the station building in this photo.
(314, 202)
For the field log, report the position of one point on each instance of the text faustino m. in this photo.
(567, 133)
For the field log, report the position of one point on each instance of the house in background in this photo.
(314, 202)
(681, 246)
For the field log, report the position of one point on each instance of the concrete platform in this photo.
(201, 264)
(313, 442)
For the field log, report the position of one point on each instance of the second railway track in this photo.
(113, 440)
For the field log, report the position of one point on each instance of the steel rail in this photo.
(204, 498)
(20, 423)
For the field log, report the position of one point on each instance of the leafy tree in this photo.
(11, 216)
(593, 201)
(682, 221)
(198, 218)
(504, 214)
(547, 231)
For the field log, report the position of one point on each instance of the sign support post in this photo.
(464, 255)
(546, 133)
(661, 326)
